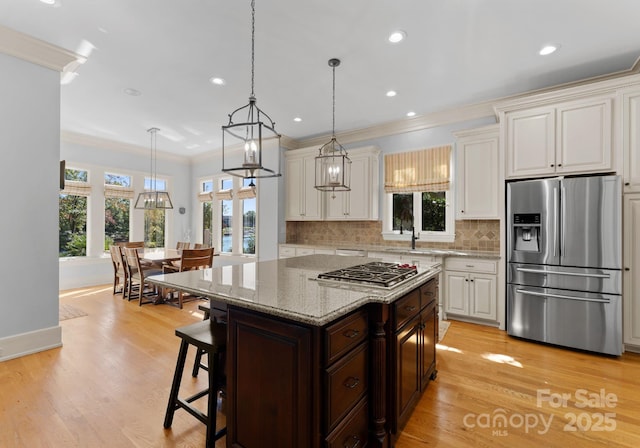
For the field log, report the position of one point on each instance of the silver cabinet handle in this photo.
(570, 274)
(560, 296)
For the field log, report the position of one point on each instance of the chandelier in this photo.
(249, 127)
(152, 198)
(333, 166)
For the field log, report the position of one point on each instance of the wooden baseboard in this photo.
(31, 342)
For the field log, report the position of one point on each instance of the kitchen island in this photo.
(315, 363)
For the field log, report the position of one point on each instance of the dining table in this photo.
(160, 257)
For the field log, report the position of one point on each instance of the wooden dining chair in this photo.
(137, 244)
(183, 245)
(200, 246)
(119, 271)
(138, 272)
(190, 259)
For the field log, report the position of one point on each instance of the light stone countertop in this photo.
(289, 287)
(405, 250)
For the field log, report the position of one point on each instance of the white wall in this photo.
(29, 144)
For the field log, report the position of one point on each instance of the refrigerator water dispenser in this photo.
(526, 232)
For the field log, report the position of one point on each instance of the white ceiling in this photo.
(457, 52)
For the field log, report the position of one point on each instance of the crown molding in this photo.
(35, 50)
(113, 145)
(436, 119)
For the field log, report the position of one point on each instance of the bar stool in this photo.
(220, 316)
(209, 336)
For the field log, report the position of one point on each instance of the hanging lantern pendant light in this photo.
(153, 199)
(250, 133)
(333, 166)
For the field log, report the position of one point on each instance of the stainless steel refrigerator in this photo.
(564, 247)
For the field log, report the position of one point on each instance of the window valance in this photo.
(118, 191)
(76, 188)
(415, 171)
(205, 196)
(224, 195)
(246, 193)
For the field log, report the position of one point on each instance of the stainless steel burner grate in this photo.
(374, 273)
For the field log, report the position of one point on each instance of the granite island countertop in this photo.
(289, 288)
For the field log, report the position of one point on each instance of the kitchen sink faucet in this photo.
(414, 237)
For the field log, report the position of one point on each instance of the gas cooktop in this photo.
(376, 273)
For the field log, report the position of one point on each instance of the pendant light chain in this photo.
(253, 39)
(333, 124)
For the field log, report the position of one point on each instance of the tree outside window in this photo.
(226, 215)
(116, 212)
(248, 222)
(154, 219)
(72, 222)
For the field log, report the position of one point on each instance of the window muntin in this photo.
(430, 212)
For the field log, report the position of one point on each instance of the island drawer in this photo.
(470, 265)
(345, 334)
(429, 292)
(354, 431)
(346, 383)
(406, 308)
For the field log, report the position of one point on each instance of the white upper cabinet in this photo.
(631, 138)
(361, 203)
(566, 137)
(302, 199)
(305, 203)
(477, 173)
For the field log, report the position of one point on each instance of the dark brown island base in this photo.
(319, 364)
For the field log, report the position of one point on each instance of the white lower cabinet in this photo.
(631, 278)
(470, 288)
(288, 251)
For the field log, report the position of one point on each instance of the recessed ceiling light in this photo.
(132, 92)
(297, 119)
(217, 81)
(411, 114)
(391, 93)
(51, 2)
(397, 36)
(548, 49)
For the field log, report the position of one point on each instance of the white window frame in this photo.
(237, 222)
(447, 236)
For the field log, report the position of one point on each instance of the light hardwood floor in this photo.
(108, 386)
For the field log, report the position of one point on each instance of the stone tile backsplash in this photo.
(480, 235)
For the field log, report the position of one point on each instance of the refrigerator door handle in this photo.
(555, 222)
(560, 296)
(563, 201)
(574, 274)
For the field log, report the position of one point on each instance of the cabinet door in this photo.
(312, 197)
(530, 145)
(354, 204)
(631, 291)
(407, 371)
(428, 341)
(631, 140)
(583, 136)
(294, 180)
(457, 293)
(482, 296)
(270, 379)
(478, 171)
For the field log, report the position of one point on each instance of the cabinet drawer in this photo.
(287, 252)
(325, 251)
(344, 335)
(470, 265)
(353, 431)
(347, 383)
(300, 251)
(429, 291)
(406, 308)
